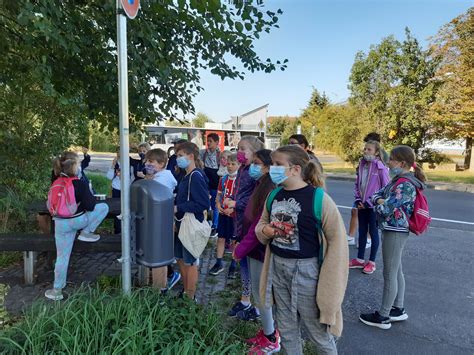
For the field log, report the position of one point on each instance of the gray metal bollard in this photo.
(153, 206)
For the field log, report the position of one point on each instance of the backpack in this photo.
(420, 219)
(61, 197)
(317, 211)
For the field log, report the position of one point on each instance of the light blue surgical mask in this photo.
(395, 171)
(369, 157)
(277, 174)
(255, 171)
(150, 169)
(182, 162)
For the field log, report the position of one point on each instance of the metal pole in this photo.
(124, 147)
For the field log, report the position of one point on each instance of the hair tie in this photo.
(414, 165)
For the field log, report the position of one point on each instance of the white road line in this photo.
(434, 219)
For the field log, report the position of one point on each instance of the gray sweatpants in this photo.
(294, 287)
(394, 281)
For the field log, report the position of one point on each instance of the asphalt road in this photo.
(439, 276)
(439, 279)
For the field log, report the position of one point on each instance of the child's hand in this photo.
(233, 254)
(230, 203)
(141, 175)
(228, 211)
(271, 231)
(360, 205)
(283, 228)
(380, 201)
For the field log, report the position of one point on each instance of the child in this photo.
(194, 185)
(373, 136)
(113, 174)
(155, 168)
(394, 207)
(139, 164)
(307, 291)
(267, 339)
(223, 163)
(371, 177)
(225, 229)
(245, 185)
(86, 219)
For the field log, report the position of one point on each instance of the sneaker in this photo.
(214, 233)
(55, 294)
(254, 340)
(356, 264)
(351, 240)
(249, 314)
(216, 269)
(237, 308)
(88, 237)
(368, 245)
(265, 346)
(173, 280)
(369, 268)
(232, 274)
(398, 314)
(375, 320)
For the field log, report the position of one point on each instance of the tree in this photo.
(200, 120)
(317, 100)
(453, 110)
(58, 67)
(283, 126)
(394, 84)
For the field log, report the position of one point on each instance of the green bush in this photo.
(103, 322)
(100, 183)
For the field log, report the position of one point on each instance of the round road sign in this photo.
(130, 7)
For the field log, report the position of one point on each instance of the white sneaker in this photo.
(351, 240)
(368, 244)
(88, 237)
(54, 294)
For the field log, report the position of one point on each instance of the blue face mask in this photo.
(277, 174)
(141, 155)
(255, 171)
(150, 169)
(182, 162)
(395, 171)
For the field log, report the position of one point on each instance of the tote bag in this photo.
(193, 234)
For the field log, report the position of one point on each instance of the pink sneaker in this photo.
(265, 346)
(369, 268)
(254, 340)
(356, 264)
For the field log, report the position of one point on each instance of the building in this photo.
(254, 120)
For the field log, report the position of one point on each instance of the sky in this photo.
(320, 39)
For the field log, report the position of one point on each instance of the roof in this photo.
(247, 113)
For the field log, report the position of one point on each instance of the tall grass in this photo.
(92, 321)
(100, 183)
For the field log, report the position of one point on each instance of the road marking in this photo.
(434, 219)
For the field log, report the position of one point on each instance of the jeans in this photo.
(65, 234)
(117, 222)
(368, 223)
(215, 211)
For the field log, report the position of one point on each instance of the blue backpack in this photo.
(317, 210)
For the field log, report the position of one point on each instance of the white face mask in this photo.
(369, 157)
(79, 171)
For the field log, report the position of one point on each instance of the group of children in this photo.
(282, 228)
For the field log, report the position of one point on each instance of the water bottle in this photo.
(90, 187)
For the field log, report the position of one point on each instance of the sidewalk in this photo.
(436, 185)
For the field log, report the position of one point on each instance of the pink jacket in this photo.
(377, 178)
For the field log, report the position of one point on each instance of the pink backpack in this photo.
(61, 197)
(420, 219)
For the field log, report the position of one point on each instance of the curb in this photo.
(440, 186)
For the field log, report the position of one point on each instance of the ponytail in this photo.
(313, 175)
(57, 166)
(418, 172)
(65, 164)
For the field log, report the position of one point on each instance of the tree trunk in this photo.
(468, 163)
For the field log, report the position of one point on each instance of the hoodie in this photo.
(399, 200)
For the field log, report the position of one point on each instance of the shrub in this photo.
(93, 321)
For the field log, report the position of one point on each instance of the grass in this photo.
(464, 177)
(100, 183)
(8, 258)
(106, 322)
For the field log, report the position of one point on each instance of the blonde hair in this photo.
(232, 157)
(255, 143)
(310, 171)
(144, 145)
(66, 163)
(378, 149)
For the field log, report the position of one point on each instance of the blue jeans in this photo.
(368, 223)
(215, 211)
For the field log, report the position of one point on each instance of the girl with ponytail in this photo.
(307, 286)
(394, 207)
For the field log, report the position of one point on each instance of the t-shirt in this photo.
(211, 167)
(165, 177)
(295, 208)
(227, 191)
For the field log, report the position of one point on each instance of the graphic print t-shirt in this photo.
(295, 208)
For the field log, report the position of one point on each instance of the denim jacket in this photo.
(394, 213)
